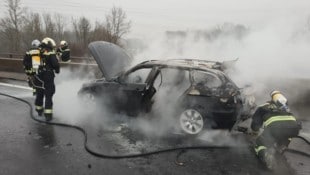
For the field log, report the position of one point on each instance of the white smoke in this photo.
(71, 108)
(273, 56)
(276, 51)
(67, 105)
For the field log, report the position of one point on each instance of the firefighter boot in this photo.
(39, 111)
(48, 117)
(268, 159)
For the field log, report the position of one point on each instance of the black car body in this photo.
(199, 93)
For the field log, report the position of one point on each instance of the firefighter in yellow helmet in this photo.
(31, 62)
(44, 80)
(279, 126)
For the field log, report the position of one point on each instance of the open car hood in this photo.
(111, 59)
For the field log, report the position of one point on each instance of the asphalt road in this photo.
(28, 147)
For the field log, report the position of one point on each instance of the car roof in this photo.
(185, 64)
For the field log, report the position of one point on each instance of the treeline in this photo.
(19, 27)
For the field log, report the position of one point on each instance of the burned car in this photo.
(197, 93)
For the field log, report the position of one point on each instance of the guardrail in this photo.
(73, 58)
(11, 55)
(15, 65)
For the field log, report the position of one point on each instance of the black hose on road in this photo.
(297, 151)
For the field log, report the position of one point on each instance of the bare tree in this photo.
(11, 24)
(49, 25)
(60, 26)
(18, 28)
(117, 24)
(32, 29)
(82, 29)
(99, 33)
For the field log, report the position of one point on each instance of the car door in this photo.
(133, 88)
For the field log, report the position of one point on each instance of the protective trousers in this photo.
(278, 133)
(45, 86)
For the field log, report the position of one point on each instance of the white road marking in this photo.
(15, 86)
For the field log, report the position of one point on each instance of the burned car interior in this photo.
(199, 91)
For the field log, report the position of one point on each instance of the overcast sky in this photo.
(153, 16)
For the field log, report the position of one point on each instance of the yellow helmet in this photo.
(279, 99)
(274, 93)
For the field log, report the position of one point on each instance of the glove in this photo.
(30, 80)
(57, 71)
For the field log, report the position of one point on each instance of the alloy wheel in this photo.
(191, 121)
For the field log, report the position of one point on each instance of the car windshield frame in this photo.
(121, 78)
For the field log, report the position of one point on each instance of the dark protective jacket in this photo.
(269, 114)
(49, 61)
(64, 53)
(32, 54)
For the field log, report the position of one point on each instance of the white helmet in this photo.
(63, 43)
(35, 43)
(48, 43)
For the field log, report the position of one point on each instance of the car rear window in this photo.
(207, 79)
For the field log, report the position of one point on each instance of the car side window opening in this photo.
(137, 76)
(172, 78)
(170, 84)
(207, 79)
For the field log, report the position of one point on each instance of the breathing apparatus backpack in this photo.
(35, 59)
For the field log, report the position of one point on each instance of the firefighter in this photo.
(31, 62)
(63, 52)
(279, 127)
(45, 78)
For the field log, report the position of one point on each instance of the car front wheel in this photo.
(191, 121)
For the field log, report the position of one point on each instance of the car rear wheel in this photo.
(191, 121)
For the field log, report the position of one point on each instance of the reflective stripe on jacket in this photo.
(279, 118)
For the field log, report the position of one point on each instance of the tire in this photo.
(191, 121)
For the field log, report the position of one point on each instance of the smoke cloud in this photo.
(71, 108)
(272, 56)
(266, 54)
